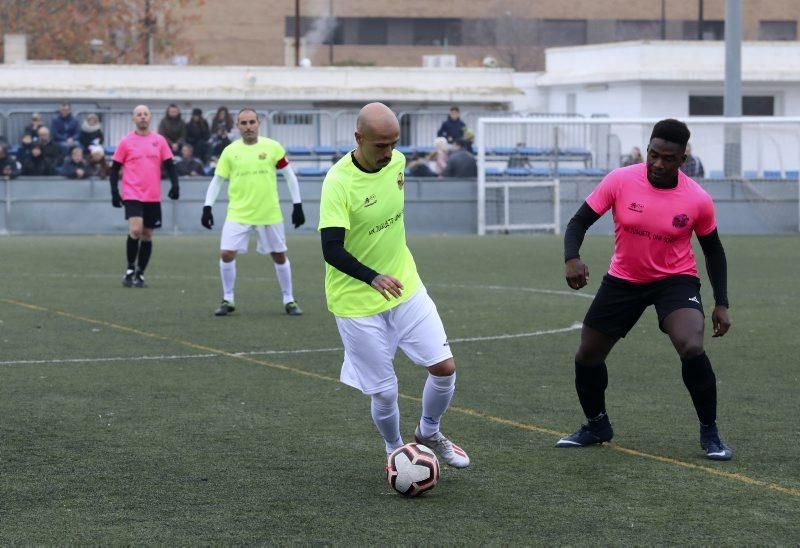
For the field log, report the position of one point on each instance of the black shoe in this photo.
(138, 279)
(224, 309)
(714, 447)
(591, 433)
(127, 279)
(293, 309)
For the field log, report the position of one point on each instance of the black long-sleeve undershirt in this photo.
(168, 165)
(338, 257)
(716, 263)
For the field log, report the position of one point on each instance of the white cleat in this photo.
(446, 450)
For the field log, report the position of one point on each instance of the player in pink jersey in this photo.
(656, 209)
(142, 154)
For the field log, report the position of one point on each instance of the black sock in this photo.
(133, 250)
(591, 384)
(699, 378)
(145, 249)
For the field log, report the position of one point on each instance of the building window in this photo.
(713, 105)
(562, 32)
(712, 30)
(437, 32)
(638, 29)
(777, 30)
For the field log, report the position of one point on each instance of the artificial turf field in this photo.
(136, 416)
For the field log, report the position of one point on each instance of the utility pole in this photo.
(149, 23)
(331, 32)
(733, 87)
(663, 19)
(699, 19)
(297, 33)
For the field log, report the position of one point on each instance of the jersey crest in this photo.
(401, 180)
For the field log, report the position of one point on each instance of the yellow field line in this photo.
(453, 408)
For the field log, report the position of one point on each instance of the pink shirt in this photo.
(141, 157)
(652, 227)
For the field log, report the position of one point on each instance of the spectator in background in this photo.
(635, 157)
(9, 169)
(35, 164)
(452, 129)
(692, 167)
(32, 129)
(96, 164)
(518, 159)
(219, 141)
(74, 166)
(198, 135)
(418, 166)
(173, 128)
(91, 132)
(222, 119)
(461, 163)
(188, 164)
(50, 150)
(437, 159)
(65, 129)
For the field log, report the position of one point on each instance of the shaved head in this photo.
(376, 118)
(141, 119)
(377, 133)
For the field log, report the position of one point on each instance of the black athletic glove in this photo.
(116, 200)
(174, 192)
(208, 219)
(298, 217)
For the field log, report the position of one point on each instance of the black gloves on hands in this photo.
(174, 192)
(116, 200)
(298, 217)
(208, 219)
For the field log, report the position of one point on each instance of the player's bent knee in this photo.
(227, 255)
(279, 258)
(690, 350)
(443, 369)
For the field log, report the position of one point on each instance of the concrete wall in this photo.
(59, 206)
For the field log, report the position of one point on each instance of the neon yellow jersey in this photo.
(369, 206)
(253, 183)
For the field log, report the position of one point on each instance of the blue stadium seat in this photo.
(518, 171)
(716, 174)
(751, 174)
(541, 171)
(407, 172)
(593, 171)
(423, 149)
(568, 171)
(345, 149)
(109, 150)
(406, 150)
(493, 171)
(772, 174)
(312, 171)
(13, 150)
(298, 151)
(533, 151)
(322, 150)
(575, 151)
(501, 151)
(792, 174)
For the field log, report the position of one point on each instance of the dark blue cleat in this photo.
(592, 433)
(714, 447)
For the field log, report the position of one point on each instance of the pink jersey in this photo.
(652, 227)
(141, 157)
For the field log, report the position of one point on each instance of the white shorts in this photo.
(270, 238)
(370, 343)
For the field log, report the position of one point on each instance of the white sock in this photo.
(436, 398)
(227, 273)
(386, 416)
(284, 272)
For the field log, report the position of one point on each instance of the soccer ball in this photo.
(412, 469)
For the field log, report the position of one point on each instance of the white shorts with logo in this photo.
(269, 238)
(371, 342)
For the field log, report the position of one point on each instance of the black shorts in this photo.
(619, 304)
(150, 212)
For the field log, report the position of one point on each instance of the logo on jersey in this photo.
(694, 300)
(370, 200)
(638, 208)
(154, 144)
(262, 156)
(401, 180)
(680, 221)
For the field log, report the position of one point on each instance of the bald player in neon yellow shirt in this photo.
(249, 166)
(373, 289)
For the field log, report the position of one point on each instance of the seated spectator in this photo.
(692, 166)
(32, 129)
(65, 129)
(91, 132)
(173, 128)
(437, 159)
(518, 159)
(9, 169)
(50, 150)
(188, 164)
(461, 163)
(452, 129)
(418, 166)
(635, 157)
(36, 164)
(219, 141)
(222, 119)
(74, 166)
(198, 134)
(96, 164)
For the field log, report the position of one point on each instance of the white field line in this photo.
(573, 327)
(523, 289)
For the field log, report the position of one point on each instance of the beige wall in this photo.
(247, 32)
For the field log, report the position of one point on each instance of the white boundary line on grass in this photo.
(573, 327)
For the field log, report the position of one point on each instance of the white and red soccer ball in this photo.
(412, 469)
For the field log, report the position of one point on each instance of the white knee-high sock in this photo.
(284, 272)
(227, 273)
(386, 416)
(436, 398)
